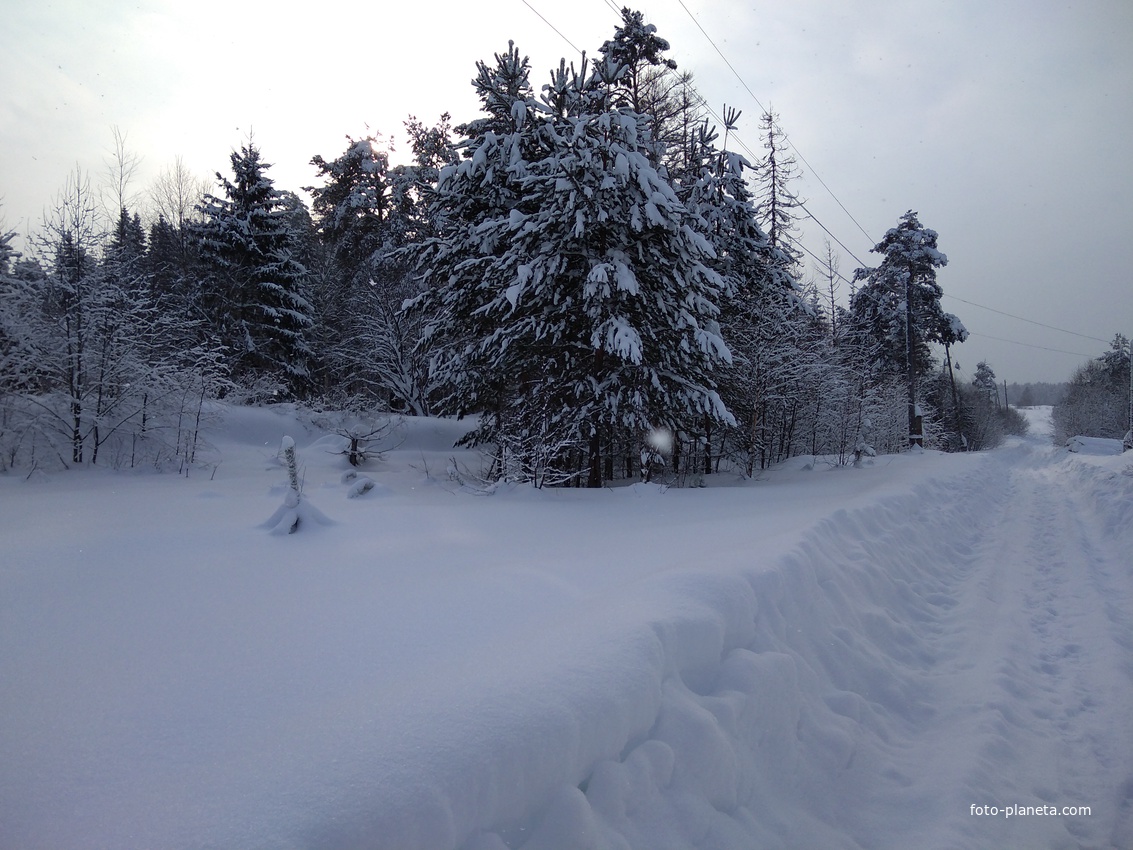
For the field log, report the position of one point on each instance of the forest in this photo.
(585, 267)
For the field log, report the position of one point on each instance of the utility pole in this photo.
(916, 422)
(1127, 443)
(955, 399)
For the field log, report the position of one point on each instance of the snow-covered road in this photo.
(826, 657)
(1044, 687)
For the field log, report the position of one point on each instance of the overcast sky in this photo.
(1007, 124)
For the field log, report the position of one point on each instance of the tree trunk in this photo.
(707, 445)
(594, 476)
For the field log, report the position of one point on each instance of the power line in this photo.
(831, 235)
(614, 8)
(827, 230)
(552, 26)
(1029, 345)
(1029, 321)
(761, 107)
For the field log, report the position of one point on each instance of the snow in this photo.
(1094, 445)
(823, 657)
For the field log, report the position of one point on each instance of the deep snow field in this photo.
(824, 657)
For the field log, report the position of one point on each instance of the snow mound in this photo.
(1094, 446)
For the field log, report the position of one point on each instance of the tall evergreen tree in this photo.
(898, 308)
(575, 301)
(353, 204)
(256, 288)
(984, 383)
(125, 257)
(635, 48)
(163, 257)
(649, 85)
(368, 210)
(8, 258)
(775, 198)
(8, 254)
(759, 297)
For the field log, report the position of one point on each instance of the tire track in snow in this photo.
(1047, 678)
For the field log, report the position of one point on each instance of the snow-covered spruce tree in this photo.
(983, 424)
(984, 383)
(167, 265)
(255, 290)
(353, 204)
(351, 209)
(898, 307)
(471, 197)
(8, 257)
(575, 303)
(8, 254)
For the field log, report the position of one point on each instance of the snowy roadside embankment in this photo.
(833, 657)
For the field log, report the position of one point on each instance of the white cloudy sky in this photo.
(1006, 124)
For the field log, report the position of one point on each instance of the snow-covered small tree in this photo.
(296, 510)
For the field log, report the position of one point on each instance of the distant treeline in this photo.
(1036, 395)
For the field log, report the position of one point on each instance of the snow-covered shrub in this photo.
(1097, 398)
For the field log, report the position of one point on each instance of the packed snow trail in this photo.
(827, 658)
(1055, 657)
